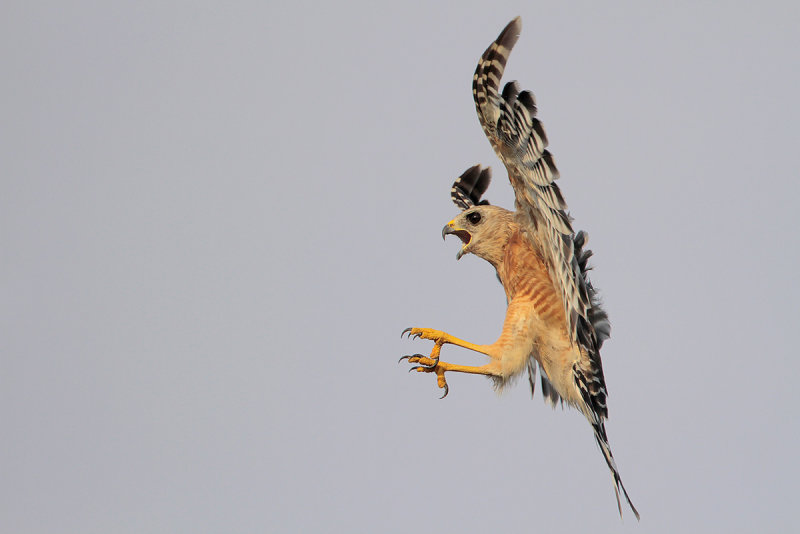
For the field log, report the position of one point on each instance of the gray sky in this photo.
(216, 221)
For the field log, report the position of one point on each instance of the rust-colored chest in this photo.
(525, 278)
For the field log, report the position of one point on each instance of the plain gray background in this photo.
(216, 219)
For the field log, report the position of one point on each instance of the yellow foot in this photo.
(430, 365)
(440, 338)
(428, 333)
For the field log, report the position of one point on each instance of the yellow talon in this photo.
(432, 364)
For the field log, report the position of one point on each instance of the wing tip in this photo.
(508, 37)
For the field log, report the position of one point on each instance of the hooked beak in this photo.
(463, 235)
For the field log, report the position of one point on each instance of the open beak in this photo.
(463, 235)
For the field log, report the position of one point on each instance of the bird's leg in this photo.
(432, 364)
(440, 338)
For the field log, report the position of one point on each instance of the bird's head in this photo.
(483, 230)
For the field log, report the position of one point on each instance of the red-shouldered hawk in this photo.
(554, 319)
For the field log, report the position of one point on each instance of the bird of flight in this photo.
(554, 320)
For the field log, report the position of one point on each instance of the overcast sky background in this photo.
(215, 221)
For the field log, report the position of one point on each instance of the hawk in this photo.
(554, 320)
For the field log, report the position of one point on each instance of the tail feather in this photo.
(602, 441)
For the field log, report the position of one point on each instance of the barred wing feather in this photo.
(509, 121)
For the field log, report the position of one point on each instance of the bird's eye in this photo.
(474, 217)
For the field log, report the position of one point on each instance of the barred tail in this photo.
(602, 441)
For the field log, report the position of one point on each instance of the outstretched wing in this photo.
(518, 138)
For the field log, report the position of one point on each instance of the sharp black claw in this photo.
(416, 336)
(415, 368)
(408, 356)
(404, 332)
(446, 391)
